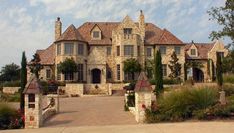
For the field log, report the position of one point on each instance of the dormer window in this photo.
(193, 52)
(96, 34)
(127, 31)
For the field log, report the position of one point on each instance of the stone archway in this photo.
(96, 76)
(198, 75)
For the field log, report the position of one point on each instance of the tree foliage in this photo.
(35, 65)
(174, 66)
(23, 78)
(228, 62)
(158, 74)
(219, 70)
(224, 17)
(10, 72)
(68, 66)
(132, 66)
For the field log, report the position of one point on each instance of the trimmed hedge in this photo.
(228, 78)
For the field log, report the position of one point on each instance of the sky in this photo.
(28, 25)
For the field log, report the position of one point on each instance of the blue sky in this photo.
(27, 25)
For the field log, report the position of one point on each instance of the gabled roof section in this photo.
(96, 25)
(47, 56)
(202, 49)
(143, 83)
(33, 86)
(70, 34)
(168, 38)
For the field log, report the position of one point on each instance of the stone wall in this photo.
(72, 89)
(10, 90)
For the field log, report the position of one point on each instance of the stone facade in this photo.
(106, 45)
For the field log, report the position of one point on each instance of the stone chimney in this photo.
(58, 28)
(142, 24)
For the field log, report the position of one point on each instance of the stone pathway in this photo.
(91, 111)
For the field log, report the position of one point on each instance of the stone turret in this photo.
(142, 24)
(58, 28)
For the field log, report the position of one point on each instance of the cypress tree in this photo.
(23, 78)
(219, 70)
(174, 66)
(158, 74)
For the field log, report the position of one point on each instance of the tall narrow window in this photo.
(177, 50)
(162, 49)
(149, 52)
(68, 76)
(108, 50)
(128, 50)
(80, 72)
(193, 51)
(118, 50)
(164, 68)
(80, 49)
(59, 49)
(118, 71)
(68, 48)
(48, 73)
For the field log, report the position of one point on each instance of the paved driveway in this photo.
(91, 111)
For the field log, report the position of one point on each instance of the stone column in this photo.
(33, 110)
(142, 101)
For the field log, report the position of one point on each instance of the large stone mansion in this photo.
(99, 49)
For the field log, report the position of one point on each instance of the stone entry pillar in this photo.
(33, 103)
(143, 92)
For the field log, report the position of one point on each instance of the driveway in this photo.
(91, 111)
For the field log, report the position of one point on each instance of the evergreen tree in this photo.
(23, 78)
(174, 66)
(219, 70)
(35, 65)
(158, 74)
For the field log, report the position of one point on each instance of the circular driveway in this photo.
(91, 111)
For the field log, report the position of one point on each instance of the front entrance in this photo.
(198, 75)
(96, 76)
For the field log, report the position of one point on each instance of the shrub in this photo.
(229, 89)
(228, 78)
(10, 118)
(12, 84)
(167, 81)
(10, 97)
(183, 104)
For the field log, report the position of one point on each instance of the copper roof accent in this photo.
(47, 56)
(33, 86)
(70, 34)
(202, 48)
(168, 38)
(143, 83)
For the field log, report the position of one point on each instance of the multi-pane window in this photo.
(48, 73)
(193, 51)
(162, 49)
(68, 76)
(127, 30)
(80, 72)
(80, 49)
(96, 34)
(108, 74)
(59, 49)
(68, 48)
(118, 50)
(149, 52)
(177, 50)
(31, 100)
(164, 69)
(128, 50)
(58, 76)
(118, 71)
(108, 50)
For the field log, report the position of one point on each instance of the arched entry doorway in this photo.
(96, 76)
(198, 75)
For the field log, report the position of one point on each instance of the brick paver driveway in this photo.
(91, 111)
